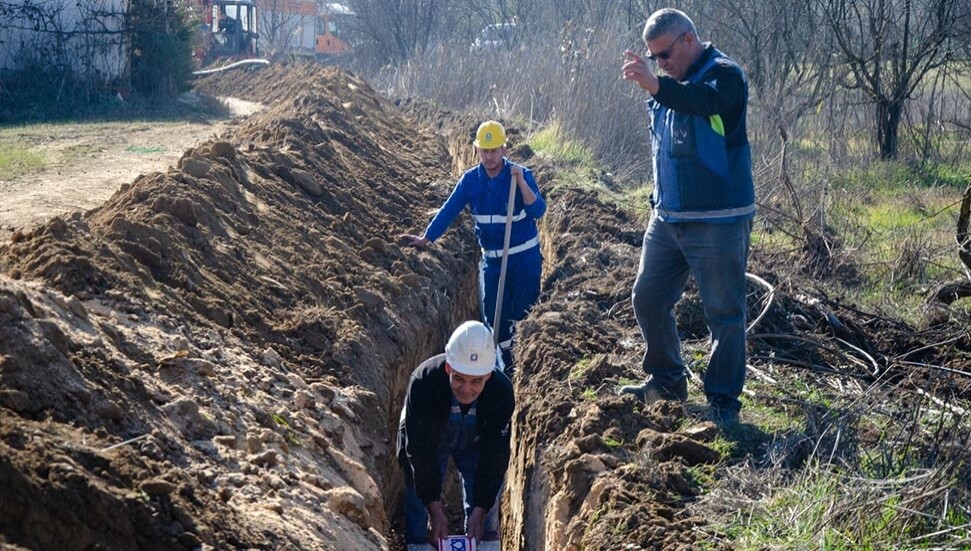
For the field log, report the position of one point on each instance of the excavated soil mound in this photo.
(214, 356)
(264, 83)
(592, 470)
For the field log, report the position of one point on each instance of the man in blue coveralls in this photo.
(485, 190)
(704, 202)
(458, 405)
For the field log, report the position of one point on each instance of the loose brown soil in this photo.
(247, 320)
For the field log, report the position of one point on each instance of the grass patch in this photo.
(829, 510)
(16, 161)
(948, 175)
(581, 367)
(585, 173)
(897, 177)
(775, 418)
(789, 517)
(702, 476)
(871, 476)
(552, 142)
(894, 226)
(727, 447)
(636, 201)
(144, 149)
(76, 152)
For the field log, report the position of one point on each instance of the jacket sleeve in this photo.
(421, 440)
(538, 208)
(721, 90)
(493, 449)
(451, 208)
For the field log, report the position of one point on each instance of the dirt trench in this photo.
(590, 470)
(215, 357)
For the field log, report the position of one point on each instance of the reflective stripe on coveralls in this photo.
(498, 218)
(512, 250)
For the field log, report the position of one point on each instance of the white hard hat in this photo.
(470, 350)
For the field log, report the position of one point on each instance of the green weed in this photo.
(144, 149)
(291, 434)
(16, 161)
(580, 368)
(552, 142)
(702, 476)
(281, 420)
(612, 443)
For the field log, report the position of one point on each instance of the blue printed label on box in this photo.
(456, 543)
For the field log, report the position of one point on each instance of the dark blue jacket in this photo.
(702, 157)
(487, 200)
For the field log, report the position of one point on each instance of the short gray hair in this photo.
(668, 21)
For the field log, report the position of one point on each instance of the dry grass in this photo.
(875, 467)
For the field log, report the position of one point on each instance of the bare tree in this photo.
(889, 47)
(398, 28)
(278, 27)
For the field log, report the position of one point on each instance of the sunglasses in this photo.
(666, 53)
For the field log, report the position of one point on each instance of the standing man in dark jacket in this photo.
(485, 190)
(704, 202)
(458, 405)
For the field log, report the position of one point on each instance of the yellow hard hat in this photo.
(490, 135)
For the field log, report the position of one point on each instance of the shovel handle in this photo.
(505, 257)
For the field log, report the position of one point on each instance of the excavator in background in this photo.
(305, 28)
(327, 40)
(228, 30)
(236, 29)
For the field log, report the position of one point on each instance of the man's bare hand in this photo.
(529, 197)
(476, 524)
(416, 241)
(517, 172)
(635, 68)
(438, 523)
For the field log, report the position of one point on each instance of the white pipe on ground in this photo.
(232, 65)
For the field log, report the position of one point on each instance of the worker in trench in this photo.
(458, 405)
(485, 189)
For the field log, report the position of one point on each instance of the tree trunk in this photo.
(963, 237)
(888, 124)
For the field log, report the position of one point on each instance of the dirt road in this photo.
(83, 164)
